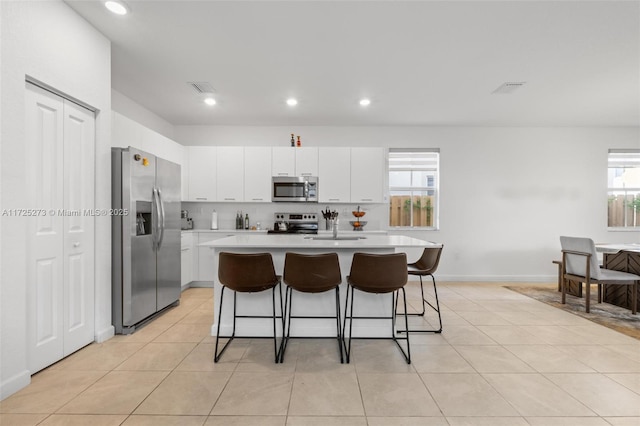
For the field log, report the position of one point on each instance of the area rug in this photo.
(614, 317)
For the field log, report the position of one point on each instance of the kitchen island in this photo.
(309, 304)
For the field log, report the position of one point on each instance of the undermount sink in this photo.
(337, 238)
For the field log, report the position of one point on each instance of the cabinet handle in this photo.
(201, 198)
(283, 174)
(305, 174)
(256, 199)
(229, 199)
(184, 249)
(366, 199)
(334, 199)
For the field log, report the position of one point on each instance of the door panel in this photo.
(139, 256)
(44, 148)
(48, 325)
(79, 145)
(168, 254)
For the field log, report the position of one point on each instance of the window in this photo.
(623, 183)
(413, 187)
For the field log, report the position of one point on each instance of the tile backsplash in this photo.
(376, 214)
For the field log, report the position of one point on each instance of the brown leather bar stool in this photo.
(247, 273)
(311, 273)
(378, 273)
(426, 266)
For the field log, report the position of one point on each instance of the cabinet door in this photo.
(186, 262)
(202, 173)
(367, 175)
(257, 174)
(334, 175)
(230, 172)
(186, 258)
(306, 161)
(283, 161)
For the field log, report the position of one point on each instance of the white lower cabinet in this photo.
(186, 259)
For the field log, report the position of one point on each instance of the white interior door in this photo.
(45, 263)
(78, 248)
(59, 142)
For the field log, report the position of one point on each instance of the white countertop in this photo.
(288, 241)
(264, 231)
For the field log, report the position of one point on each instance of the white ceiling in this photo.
(421, 62)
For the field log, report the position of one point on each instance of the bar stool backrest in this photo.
(312, 273)
(251, 272)
(428, 262)
(378, 273)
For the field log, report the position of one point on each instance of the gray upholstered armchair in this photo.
(580, 264)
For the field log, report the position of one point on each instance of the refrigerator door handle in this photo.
(156, 230)
(162, 224)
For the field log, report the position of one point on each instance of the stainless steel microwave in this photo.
(295, 189)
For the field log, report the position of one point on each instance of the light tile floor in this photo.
(503, 359)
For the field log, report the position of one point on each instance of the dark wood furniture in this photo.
(625, 261)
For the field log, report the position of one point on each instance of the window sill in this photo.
(624, 229)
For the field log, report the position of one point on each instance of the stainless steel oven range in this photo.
(295, 223)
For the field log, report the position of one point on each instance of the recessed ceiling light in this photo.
(117, 7)
(292, 102)
(209, 101)
(365, 102)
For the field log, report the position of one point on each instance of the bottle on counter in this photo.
(246, 221)
(239, 220)
(299, 143)
(293, 141)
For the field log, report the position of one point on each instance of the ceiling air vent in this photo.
(509, 87)
(201, 86)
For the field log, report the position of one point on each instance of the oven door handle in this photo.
(306, 190)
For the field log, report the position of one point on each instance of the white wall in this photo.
(507, 194)
(136, 112)
(127, 132)
(51, 43)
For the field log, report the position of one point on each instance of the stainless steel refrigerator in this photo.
(146, 195)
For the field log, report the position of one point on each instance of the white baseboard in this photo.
(14, 384)
(105, 334)
(498, 278)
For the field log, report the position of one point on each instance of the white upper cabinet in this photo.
(334, 175)
(230, 173)
(257, 174)
(367, 175)
(306, 161)
(288, 161)
(201, 173)
(283, 161)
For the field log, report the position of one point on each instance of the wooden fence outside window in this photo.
(624, 211)
(402, 206)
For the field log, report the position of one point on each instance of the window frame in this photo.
(415, 189)
(635, 191)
